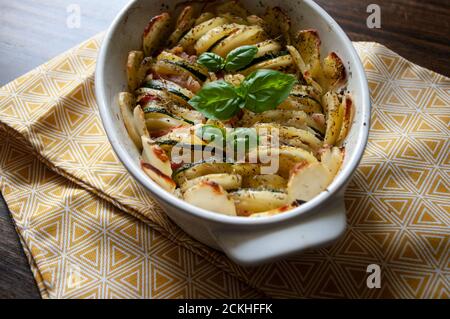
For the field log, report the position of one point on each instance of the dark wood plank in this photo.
(16, 280)
(417, 30)
(31, 33)
(34, 31)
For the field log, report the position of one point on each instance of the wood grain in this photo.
(417, 30)
(34, 31)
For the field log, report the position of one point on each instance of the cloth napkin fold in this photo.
(90, 230)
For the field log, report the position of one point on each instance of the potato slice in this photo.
(249, 201)
(184, 23)
(233, 7)
(274, 212)
(281, 160)
(154, 155)
(246, 36)
(227, 181)
(197, 32)
(333, 118)
(278, 24)
(269, 181)
(333, 70)
(156, 33)
(161, 179)
(139, 121)
(255, 20)
(307, 181)
(267, 47)
(295, 103)
(303, 68)
(246, 169)
(347, 117)
(214, 35)
(156, 164)
(332, 159)
(194, 170)
(280, 63)
(232, 18)
(297, 119)
(126, 104)
(307, 42)
(134, 61)
(205, 16)
(163, 122)
(212, 197)
(290, 135)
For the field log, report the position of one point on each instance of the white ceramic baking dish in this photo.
(246, 241)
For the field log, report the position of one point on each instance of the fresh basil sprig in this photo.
(235, 60)
(218, 100)
(261, 91)
(211, 61)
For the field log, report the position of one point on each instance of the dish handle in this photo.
(262, 245)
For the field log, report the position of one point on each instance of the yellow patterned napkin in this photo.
(90, 231)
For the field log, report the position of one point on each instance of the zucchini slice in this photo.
(212, 197)
(281, 63)
(250, 201)
(126, 104)
(227, 181)
(156, 33)
(160, 122)
(194, 69)
(347, 117)
(134, 61)
(184, 23)
(155, 112)
(198, 31)
(332, 159)
(246, 36)
(193, 170)
(170, 87)
(307, 181)
(333, 118)
(208, 40)
(151, 96)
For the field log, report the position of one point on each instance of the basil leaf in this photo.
(211, 61)
(240, 57)
(266, 89)
(217, 100)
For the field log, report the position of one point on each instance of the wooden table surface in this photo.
(34, 31)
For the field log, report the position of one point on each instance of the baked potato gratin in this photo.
(216, 67)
